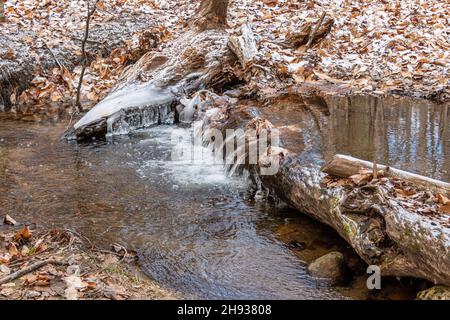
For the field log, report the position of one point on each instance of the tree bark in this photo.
(211, 14)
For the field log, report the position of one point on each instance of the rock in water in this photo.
(435, 293)
(328, 266)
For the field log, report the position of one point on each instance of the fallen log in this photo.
(345, 166)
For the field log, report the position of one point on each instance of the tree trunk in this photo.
(211, 14)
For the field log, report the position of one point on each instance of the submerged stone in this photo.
(328, 266)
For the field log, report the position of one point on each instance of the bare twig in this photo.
(31, 268)
(313, 33)
(107, 252)
(83, 52)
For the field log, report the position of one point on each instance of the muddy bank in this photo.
(40, 264)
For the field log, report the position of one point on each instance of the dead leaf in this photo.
(5, 258)
(10, 54)
(24, 251)
(360, 179)
(55, 96)
(12, 249)
(73, 283)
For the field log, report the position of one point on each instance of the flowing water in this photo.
(195, 229)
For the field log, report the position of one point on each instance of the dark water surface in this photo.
(194, 228)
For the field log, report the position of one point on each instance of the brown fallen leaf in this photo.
(445, 208)
(43, 280)
(29, 279)
(360, 179)
(402, 193)
(5, 258)
(12, 249)
(10, 54)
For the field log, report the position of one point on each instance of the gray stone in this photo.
(328, 266)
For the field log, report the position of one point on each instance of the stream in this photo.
(196, 230)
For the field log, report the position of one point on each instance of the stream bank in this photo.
(370, 48)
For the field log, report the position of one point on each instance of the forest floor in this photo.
(377, 47)
(61, 264)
